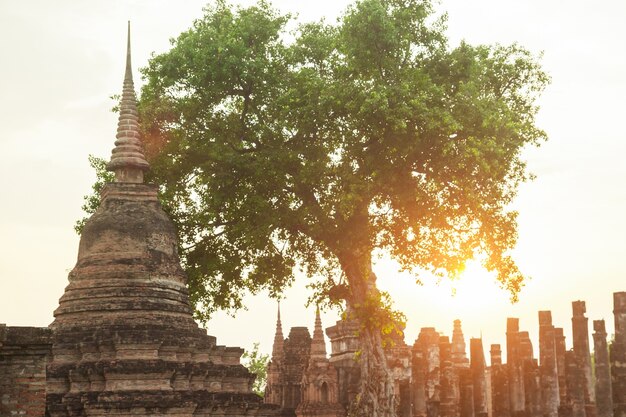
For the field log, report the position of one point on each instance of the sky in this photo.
(62, 60)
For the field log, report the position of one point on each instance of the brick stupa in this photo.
(125, 342)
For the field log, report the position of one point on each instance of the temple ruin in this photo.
(435, 378)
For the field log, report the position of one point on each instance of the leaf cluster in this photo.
(256, 363)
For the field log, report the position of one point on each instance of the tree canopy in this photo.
(316, 147)
(279, 149)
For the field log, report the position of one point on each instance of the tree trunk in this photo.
(376, 395)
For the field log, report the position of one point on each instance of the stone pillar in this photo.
(450, 396)
(604, 400)
(479, 380)
(499, 384)
(559, 343)
(425, 372)
(532, 387)
(514, 367)
(548, 366)
(580, 337)
(525, 348)
(418, 373)
(466, 401)
(618, 355)
(575, 379)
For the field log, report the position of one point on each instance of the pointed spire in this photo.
(127, 159)
(459, 355)
(318, 345)
(279, 340)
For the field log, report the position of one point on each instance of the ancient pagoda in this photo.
(125, 342)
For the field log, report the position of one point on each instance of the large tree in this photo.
(318, 147)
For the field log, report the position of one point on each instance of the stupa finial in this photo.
(277, 349)
(318, 345)
(127, 159)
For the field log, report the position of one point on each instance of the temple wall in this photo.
(24, 352)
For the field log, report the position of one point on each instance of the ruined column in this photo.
(426, 373)
(514, 367)
(559, 343)
(479, 380)
(449, 404)
(466, 400)
(580, 337)
(499, 384)
(618, 355)
(532, 388)
(530, 368)
(604, 400)
(575, 380)
(548, 366)
(418, 373)
(525, 348)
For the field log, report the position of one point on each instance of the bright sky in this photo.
(62, 60)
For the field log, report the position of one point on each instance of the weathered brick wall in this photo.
(23, 356)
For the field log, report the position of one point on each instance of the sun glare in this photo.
(476, 290)
(475, 297)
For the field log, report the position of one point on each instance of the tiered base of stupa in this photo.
(106, 373)
(125, 342)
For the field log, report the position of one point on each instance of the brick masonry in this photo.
(24, 352)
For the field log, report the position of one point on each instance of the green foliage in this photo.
(312, 149)
(256, 363)
(92, 201)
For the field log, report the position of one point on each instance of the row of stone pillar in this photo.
(561, 383)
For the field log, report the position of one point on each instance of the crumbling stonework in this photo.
(426, 373)
(604, 395)
(479, 377)
(548, 366)
(440, 384)
(296, 354)
(450, 390)
(532, 382)
(580, 336)
(574, 405)
(560, 349)
(618, 355)
(466, 394)
(24, 352)
(514, 367)
(499, 384)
